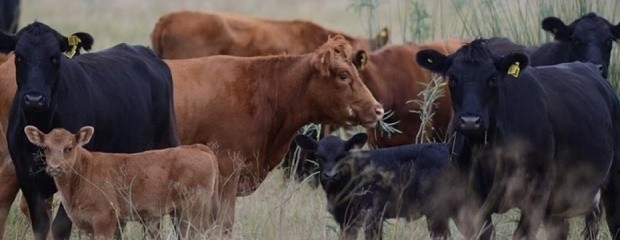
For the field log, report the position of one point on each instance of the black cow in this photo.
(587, 39)
(9, 15)
(124, 91)
(366, 187)
(556, 128)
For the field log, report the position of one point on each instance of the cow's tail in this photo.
(158, 35)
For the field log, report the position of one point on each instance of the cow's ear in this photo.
(34, 135)
(84, 135)
(383, 37)
(306, 143)
(433, 60)
(559, 30)
(7, 42)
(360, 60)
(358, 140)
(616, 31)
(512, 64)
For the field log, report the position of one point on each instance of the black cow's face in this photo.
(39, 51)
(591, 38)
(332, 155)
(473, 73)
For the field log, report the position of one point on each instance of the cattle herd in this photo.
(182, 128)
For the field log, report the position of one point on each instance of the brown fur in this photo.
(97, 189)
(251, 107)
(188, 34)
(394, 77)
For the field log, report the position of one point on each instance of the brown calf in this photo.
(252, 107)
(188, 34)
(98, 189)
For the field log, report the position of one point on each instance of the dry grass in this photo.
(279, 210)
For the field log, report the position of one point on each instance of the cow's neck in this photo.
(283, 109)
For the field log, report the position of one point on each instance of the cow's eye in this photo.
(67, 150)
(343, 76)
(46, 149)
(18, 59)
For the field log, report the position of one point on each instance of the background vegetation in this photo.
(289, 210)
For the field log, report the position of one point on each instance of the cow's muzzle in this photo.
(470, 123)
(34, 100)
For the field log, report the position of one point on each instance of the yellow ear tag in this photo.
(363, 62)
(514, 69)
(73, 42)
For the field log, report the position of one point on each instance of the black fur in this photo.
(366, 187)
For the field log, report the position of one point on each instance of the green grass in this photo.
(279, 210)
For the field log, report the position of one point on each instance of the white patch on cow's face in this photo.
(350, 112)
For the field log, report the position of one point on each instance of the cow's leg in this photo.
(349, 231)
(373, 222)
(7, 192)
(438, 228)
(61, 227)
(611, 195)
(487, 231)
(592, 221)
(39, 217)
(228, 194)
(556, 228)
(104, 226)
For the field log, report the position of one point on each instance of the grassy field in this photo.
(289, 210)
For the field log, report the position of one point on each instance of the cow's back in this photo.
(129, 92)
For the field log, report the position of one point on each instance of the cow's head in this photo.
(590, 37)
(60, 147)
(336, 89)
(332, 155)
(473, 73)
(39, 53)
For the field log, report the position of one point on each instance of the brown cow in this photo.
(252, 107)
(188, 34)
(97, 189)
(394, 78)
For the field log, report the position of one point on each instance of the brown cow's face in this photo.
(337, 90)
(59, 147)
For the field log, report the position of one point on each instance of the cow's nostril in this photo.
(379, 111)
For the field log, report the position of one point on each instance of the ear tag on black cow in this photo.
(73, 42)
(514, 69)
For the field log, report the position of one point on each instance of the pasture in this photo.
(286, 209)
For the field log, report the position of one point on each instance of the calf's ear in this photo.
(7, 42)
(433, 60)
(306, 143)
(360, 60)
(84, 135)
(559, 30)
(34, 135)
(512, 64)
(358, 140)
